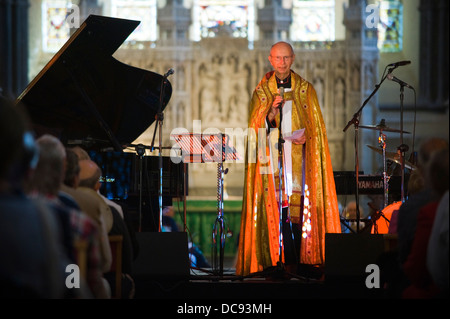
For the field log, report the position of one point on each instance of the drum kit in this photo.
(395, 157)
(382, 127)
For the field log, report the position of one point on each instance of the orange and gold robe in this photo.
(259, 233)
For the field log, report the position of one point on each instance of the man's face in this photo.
(281, 57)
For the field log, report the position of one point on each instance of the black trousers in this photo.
(291, 239)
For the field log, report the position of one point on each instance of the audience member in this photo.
(421, 195)
(33, 263)
(122, 208)
(81, 153)
(71, 179)
(122, 211)
(349, 213)
(91, 204)
(87, 229)
(46, 181)
(90, 174)
(438, 251)
(415, 266)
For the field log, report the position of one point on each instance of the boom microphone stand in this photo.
(159, 119)
(403, 148)
(355, 122)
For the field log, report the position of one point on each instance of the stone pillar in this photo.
(13, 47)
(433, 54)
(274, 21)
(362, 60)
(174, 21)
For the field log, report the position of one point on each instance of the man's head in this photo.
(281, 58)
(49, 173)
(428, 147)
(437, 172)
(72, 176)
(89, 174)
(350, 210)
(19, 150)
(81, 153)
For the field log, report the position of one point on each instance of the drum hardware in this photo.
(382, 127)
(385, 214)
(382, 142)
(394, 157)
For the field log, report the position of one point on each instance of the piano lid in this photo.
(84, 94)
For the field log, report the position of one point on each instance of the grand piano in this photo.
(86, 97)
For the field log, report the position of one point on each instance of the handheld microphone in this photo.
(393, 78)
(400, 63)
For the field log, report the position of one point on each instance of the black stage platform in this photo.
(229, 287)
(348, 272)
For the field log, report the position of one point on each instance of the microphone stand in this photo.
(140, 150)
(280, 190)
(159, 119)
(402, 148)
(355, 122)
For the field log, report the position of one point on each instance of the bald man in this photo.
(90, 174)
(93, 205)
(282, 96)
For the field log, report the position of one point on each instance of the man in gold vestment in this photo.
(259, 239)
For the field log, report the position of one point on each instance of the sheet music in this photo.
(205, 147)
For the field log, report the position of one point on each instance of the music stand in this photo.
(210, 148)
(159, 124)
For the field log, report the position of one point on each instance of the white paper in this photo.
(294, 135)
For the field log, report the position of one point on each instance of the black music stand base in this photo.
(219, 224)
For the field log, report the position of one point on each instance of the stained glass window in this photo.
(313, 20)
(140, 10)
(55, 28)
(228, 16)
(390, 27)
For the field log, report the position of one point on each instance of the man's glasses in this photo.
(282, 58)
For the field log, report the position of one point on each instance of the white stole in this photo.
(286, 130)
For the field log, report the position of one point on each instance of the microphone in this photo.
(400, 63)
(171, 71)
(393, 78)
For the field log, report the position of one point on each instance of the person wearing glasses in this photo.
(303, 153)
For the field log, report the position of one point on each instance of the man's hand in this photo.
(300, 140)
(274, 109)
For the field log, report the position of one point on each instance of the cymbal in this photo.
(393, 156)
(384, 128)
(380, 151)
